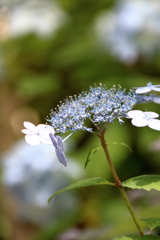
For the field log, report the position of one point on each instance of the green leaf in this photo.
(135, 237)
(128, 237)
(90, 154)
(149, 237)
(123, 144)
(146, 182)
(83, 183)
(151, 222)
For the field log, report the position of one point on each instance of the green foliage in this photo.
(134, 237)
(149, 237)
(123, 144)
(83, 183)
(146, 182)
(33, 85)
(151, 222)
(90, 154)
(128, 237)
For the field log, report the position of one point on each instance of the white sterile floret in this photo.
(149, 98)
(36, 135)
(45, 134)
(142, 119)
(156, 99)
(148, 88)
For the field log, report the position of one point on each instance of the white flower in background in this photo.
(142, 119)
(32, 174)
(36, 135)
(148, 88)
(41, 17)
(130, 29)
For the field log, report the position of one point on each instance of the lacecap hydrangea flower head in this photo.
(94, 110)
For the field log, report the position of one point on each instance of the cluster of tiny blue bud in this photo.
(99, 105)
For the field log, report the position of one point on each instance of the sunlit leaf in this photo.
(90, 154)
(123, 144)
(128, 237)
(83, 183)
(151, 222)
(146, 182)
(135, 237)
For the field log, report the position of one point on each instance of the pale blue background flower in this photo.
(131, 29)
(31, 174)
(43, 18)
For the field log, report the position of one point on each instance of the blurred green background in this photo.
(53, 49)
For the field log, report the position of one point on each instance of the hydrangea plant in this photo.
(101, 106)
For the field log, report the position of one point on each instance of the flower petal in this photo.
(154, 124)
(151, 114)
(30, 126)
(156, 85)
(141, 90)
(44, 131)
(32, 139)
(139, 122)
(60, 143)
(155, 89)
(45, 126)
(45, 140)
(61, 156)
(54, 140)
(135, 114)
(156, 100)
(26, 131)
(39, 126)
